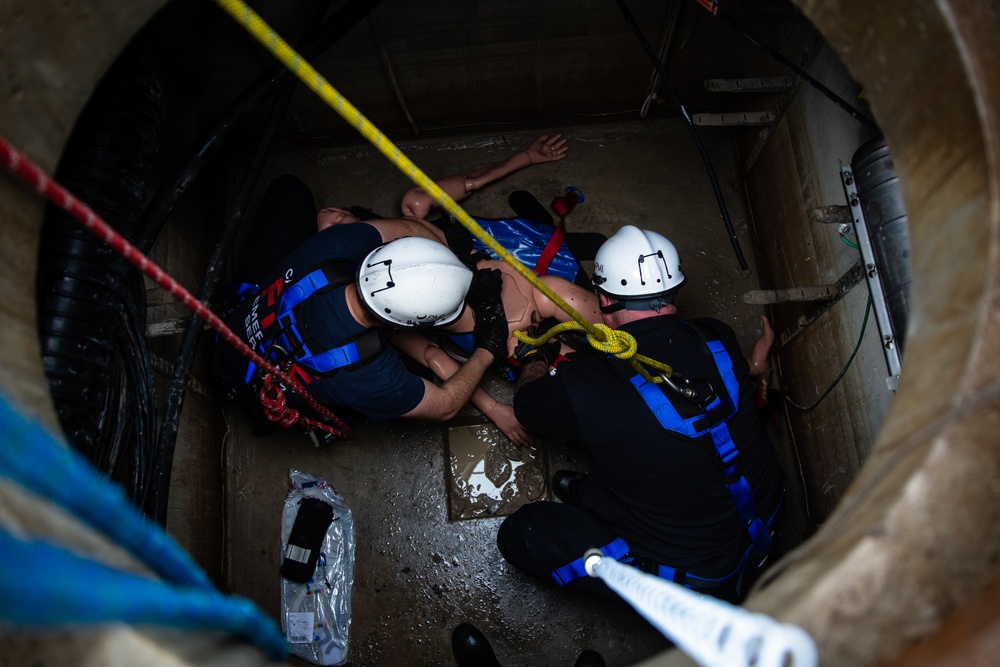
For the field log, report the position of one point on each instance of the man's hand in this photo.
(490, 332)
(546, 149)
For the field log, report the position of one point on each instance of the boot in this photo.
(566, 486)
(526, 206)
(471, 648)
(590, 659)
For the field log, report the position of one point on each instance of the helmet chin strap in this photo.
(652, 303)
(612, 307)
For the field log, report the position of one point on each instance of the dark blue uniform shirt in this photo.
(380, 389)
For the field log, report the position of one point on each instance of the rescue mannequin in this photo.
(523, 305)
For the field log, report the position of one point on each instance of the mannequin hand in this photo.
(503, 416)
(547, 149)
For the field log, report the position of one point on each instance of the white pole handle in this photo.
(712, 632)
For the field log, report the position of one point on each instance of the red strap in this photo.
(551, 248)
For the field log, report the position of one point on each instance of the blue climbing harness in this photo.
(290, 338)
(285, 340)
(713, 424)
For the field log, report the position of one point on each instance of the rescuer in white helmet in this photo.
(683, 481)
(327, 308)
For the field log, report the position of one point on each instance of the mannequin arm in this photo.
(417, 203)
(444, 367)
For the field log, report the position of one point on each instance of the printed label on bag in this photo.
(299, 627)
(297, 553)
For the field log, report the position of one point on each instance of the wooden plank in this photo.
(776, 84)
(791, 295)
(729, 119)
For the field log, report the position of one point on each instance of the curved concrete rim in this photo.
(918, 532)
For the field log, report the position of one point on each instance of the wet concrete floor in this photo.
(425, 555)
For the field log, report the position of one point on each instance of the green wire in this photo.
(861, 337)
(850, 243)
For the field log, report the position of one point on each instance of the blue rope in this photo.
(43, 584)
(31, 457)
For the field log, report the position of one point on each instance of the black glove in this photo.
(547, 352)
(490, 332)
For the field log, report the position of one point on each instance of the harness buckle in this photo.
(686, 391)
(279, 356)
(710, 399)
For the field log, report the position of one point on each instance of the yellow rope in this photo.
(617, 342)
(263, 33)
(597, 334)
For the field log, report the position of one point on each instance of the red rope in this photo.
(32, 175)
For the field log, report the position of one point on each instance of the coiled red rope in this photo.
(35, 177)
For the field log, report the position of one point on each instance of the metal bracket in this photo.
(762, 297)
(892, 358)
(742, 119)
(831, 215)
(775, 84)
(816, 309)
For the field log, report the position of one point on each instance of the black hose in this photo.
(694, 132)
(170, 425)
(327, 34)
(836, 99)
(91, 302)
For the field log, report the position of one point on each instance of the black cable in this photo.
(192, 333)
(836, 99)
(861, 337)
(694, 132)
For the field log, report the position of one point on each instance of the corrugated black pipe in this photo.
(157, 506)
(694, 132)
(265, 86)
(91, 302)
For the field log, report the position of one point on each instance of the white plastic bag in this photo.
(316, 616)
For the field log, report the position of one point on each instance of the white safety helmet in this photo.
(637, 264)
(414, 282)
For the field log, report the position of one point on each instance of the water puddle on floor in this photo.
(488, 475)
